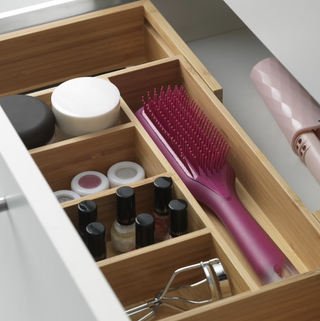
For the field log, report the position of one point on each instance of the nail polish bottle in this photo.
(178, 213)
(162, 197)
(87, 213)
(144, 230)
(123, 236)
(96, 240)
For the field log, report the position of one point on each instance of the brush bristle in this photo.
(188, 131)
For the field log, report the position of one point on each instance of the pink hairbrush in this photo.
(198, 152)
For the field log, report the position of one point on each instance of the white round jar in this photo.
(66, 196)
(89, 182)
(85, 105)
(124, 173)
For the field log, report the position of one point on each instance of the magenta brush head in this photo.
(198, 153)
(193, 137)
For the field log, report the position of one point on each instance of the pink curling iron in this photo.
(295, 111)
(198, 152)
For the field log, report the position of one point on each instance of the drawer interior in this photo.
(123, 47)
(128, 141)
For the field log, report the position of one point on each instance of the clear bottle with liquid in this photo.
(162, 197)
(123, 231)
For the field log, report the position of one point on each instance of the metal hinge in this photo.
(3, 204)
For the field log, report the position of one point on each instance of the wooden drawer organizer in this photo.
(134, 47)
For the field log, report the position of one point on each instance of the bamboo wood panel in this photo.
(155, 47)
(152, 75)
(95, 43)
(179, 47)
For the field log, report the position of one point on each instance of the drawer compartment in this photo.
(139, 278)
(144, 194)
(95, 152)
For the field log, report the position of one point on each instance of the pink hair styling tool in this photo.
(295, 111)
(198, 152)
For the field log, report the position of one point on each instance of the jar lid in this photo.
(66, 196)
(96, 240)
(89, 182)
(124, 173)
(126, 205)
(85, 105)
(162, 193)
(144, 230)
(32, 119)
(87, 213)
(178, 216)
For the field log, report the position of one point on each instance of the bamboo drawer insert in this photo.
(133, 47)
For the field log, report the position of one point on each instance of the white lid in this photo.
(90, 182)
(66, 195)
(85, 105)
(124, 173)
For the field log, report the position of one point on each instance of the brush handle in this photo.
(267, 260)
(269, 263)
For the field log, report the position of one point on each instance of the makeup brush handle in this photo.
(267, 260)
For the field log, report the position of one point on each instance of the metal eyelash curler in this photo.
(217, 281)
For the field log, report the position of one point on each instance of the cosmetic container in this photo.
(85, 105)
(96, 240)
(89, 182)
(32, 119)
(87, 213)
(144, 230)
(124, 173)
(162, 197)
(66, 196)
(178, 213)
(123, 236)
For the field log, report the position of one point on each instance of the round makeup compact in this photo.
(124, 173)
(66, 196)
(89, 182)
(32, 119)
(85, 105)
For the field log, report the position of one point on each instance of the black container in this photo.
(162, 197)
(87, 213)
(96, 240)
(32, 119)
(144, 230)
(126, 205)
(178, 213)
(162, 194)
